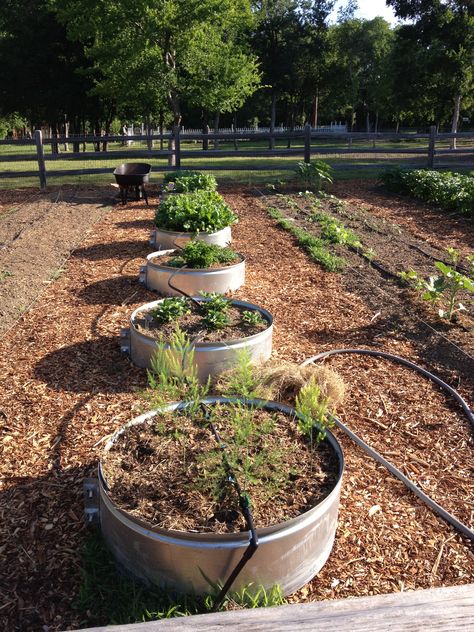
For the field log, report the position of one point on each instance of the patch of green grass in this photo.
(314, 246)
(56, 274)
(4, 274)
(107, 597)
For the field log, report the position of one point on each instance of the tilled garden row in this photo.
(66, 386)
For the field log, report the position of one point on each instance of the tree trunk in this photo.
(161, 124)
(397, 128)
(149, 142)
(174, 102)
(316, 108)
(455, 122)
(271, 143)
(54, 134)
(235, 131)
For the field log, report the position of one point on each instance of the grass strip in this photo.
(108, 597)
(314, 246)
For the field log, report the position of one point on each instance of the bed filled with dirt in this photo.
(171, 471)
(66, 387)
(193, 323)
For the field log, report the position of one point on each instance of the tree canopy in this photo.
(86, 62)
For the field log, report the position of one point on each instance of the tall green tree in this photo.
(359, 68)
(444, 37)
(276, 40)
(149, 42)
(39, 75)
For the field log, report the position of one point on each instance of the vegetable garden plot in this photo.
(65, 386)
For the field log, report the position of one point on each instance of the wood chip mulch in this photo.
(65, 386)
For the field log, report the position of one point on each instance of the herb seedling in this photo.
(444, 288)
(199, 255)
(173, 373)
(314, 173)
(169, 310)
(313, 411)
(215, 311)
(252, 318)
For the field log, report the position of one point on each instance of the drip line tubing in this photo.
(245, 508)
(461, 527)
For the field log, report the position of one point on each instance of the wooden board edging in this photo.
(439, 609)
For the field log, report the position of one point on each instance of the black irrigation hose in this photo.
(462, 528)
(244, 504)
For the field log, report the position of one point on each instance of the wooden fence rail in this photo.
(309, 142)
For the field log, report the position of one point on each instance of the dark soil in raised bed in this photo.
(166, 260)
(169, 473)
(192, 325)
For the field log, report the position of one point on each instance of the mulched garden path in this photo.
(65, 386)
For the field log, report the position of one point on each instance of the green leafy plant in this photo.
(198, 254)
(450, 191)
(369, 254)
(242, 380)
(199, 211)
(4, 274)
(313, 411)
(173, 373)
(443, 288)
(314, 246)
(215, 311)
(170, 309)
(334, 231)
(244, 453)
(172, 176)
(194, 182)
(314, 173)
(252, 318)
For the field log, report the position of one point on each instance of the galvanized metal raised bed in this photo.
(289, 554)
(191, 281)
(211, 358)
(164, 239)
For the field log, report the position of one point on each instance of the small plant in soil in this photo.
(199, 211)
(314, 174)
(215, 319)
(276, 465)
(444, 288)
(313, 410)
(186, 182)
(169, 310)
(173, 373)
(198, 254)
(215, 311)
(334, 231)
(252, 319)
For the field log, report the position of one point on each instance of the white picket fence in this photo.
(332, 127)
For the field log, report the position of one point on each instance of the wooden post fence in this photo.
(307, 142)
(177, 147)
(40, 158)
(432, 146)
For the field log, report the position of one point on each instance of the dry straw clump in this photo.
(282, 381)
(285, 380)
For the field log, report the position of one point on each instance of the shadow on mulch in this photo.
(146, 224)
(93, 366)
(40, 565)
(114, 291)
(371, 334)
(113, 250)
